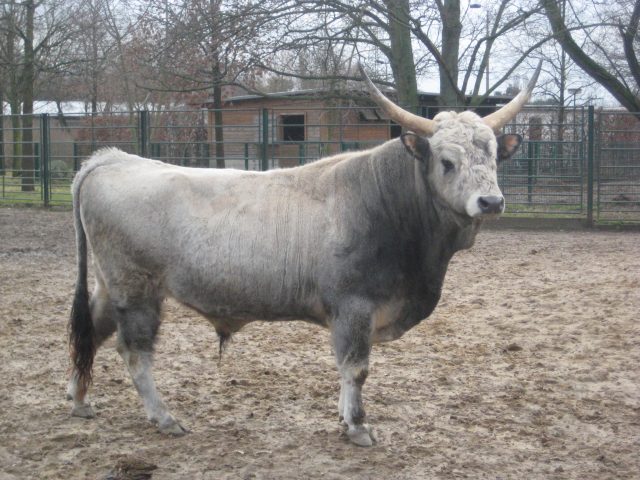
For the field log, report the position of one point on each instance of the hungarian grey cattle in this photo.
(358, 243)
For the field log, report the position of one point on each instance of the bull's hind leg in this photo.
(104, 324)
(352, 342)
(137, 329)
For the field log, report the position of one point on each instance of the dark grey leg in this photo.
(352, 342)
(137, 329)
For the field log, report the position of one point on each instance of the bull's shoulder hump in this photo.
(110, 156)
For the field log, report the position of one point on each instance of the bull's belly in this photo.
(235, 303)
(231, 315)
(228, 319)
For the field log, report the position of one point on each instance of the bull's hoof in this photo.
(361, 435)
(172, 427)
(82, 411)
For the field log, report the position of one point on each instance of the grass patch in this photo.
(11, 192)
(545, 210)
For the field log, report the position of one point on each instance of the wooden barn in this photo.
(291, 128)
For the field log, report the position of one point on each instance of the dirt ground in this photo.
(529, 368)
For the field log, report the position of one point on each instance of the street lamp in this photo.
(574, 92)
(477, 5)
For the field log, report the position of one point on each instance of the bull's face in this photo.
(461, 159)
(460, 150)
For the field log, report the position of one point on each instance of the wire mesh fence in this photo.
(570, 163)
(547, 174)
(618, 172)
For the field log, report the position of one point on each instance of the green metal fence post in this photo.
(45, 159)
(530, 172)
(533, 153)
(265, 140)
(590, 163)
(2, 166)
(246, 156)
(37, 167)
(76, 157)
(143, 133)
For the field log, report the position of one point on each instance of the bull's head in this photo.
(460, 150)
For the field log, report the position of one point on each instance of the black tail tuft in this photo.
(81, 337)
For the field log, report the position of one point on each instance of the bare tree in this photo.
(94, 45)
(412, 37)
(597, 57)
(465, 44)
(362, 27)
(196, 47)
(33, 37)
(10, 59)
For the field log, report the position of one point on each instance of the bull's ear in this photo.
(507, 145)
(416, 145)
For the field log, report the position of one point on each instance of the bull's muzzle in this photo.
(491, 204)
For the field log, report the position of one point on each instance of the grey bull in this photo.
(358, 243)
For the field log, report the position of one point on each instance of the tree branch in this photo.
(628, 37)
(585, 62)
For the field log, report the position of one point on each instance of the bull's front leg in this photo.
(352, 343)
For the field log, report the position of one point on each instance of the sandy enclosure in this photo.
(529, 368)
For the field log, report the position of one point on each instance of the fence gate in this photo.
(617, 147)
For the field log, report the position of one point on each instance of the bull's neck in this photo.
(391, 179)
(409, 205)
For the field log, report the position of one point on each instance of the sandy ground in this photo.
(529, 368)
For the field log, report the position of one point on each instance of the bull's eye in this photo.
(448, 166)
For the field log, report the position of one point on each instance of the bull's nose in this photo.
(491, 204)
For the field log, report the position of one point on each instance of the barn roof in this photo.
(426, 98)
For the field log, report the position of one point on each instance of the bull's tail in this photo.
(81, 334)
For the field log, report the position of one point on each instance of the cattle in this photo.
(358, 243)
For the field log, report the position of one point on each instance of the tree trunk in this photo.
(600, 74)
(93, 65)
(563, 86)
(218, 128)
(2, 164)
(451, 30)
(28, 79)
(16, 137)
(13, 97)
(402, 64)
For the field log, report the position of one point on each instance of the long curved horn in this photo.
(406, 119)
(499, 119)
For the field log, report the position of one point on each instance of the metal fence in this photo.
(547, 174)
(617, 178)
(577, 163)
